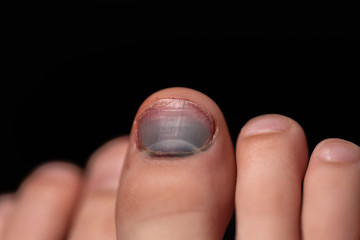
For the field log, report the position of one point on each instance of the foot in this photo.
(180, 178)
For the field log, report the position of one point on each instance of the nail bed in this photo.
(174, 127)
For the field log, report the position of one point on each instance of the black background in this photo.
(69, 93)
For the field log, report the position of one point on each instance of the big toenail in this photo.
(174, 127)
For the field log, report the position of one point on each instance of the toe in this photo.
(184, 187)
(271, 159)
(44, 203)
(96, 211)
(6, 207)
(331, 206)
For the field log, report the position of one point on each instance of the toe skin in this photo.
(50, 191)
(331, 206)
(271, 159)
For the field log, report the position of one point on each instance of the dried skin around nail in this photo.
(174, 128)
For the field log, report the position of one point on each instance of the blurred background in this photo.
(69, 93)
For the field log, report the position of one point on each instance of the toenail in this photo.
(174, 127)
(56, 170)
(271, 123)
(337, 150)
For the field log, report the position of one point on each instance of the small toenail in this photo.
(174, 127)
(338, 151)
(266, 124)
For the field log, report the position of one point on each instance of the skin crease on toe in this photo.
(178, 196)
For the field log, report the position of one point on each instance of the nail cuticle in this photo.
(174, 127)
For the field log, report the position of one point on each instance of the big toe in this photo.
(178, 180)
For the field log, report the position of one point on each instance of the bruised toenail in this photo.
(174, 127)
(337, 150)
(271, 123)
